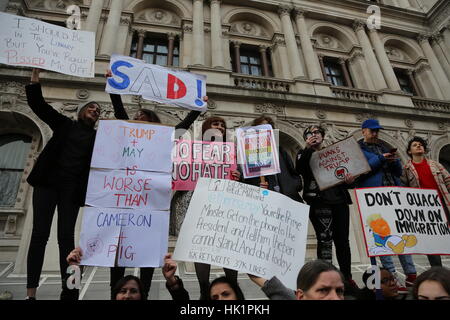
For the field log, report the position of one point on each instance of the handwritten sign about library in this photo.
(156, 83)
(129, 189)
(195, 159)
(330, 165)
(399, 220)
(135, 238)
(130, 145)
(257, 151)
(33, 43)
(245, 228)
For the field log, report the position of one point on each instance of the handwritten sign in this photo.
(128, 189)
(136, 238)
(331, 164)
(245, 228)
(257, 151)
(156, 83)
(33, 43)
(121, 144)
(400, 220)
(195, 159)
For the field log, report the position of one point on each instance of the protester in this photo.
(146, 273)
(221, 288)
(286, 182)
(388, 286)
(329, 209)
(386, 171)
(433, 284)
(59, 178)
(128, 288)
(421, 172)
(214, 129)
(317, 280)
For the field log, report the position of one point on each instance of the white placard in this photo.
(139, 238)
(156, 83)
(330, 165)
(139, 146)
(37, 44)
(399, 220)
(245, 228)
(129, 189)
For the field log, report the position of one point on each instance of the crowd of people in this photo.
(60, 178)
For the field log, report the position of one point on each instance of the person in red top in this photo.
(421, 172)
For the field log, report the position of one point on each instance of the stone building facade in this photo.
(300, 61)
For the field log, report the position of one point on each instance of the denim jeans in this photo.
(405, 260)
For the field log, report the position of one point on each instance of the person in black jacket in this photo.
(59, 178)
(329, 211)
(146, 273)
(288, 181)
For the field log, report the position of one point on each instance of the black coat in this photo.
(45, 168)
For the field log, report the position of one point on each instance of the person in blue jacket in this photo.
(386, 171)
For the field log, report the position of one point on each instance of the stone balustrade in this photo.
(433, 105)
(355, 94)
(261, 83)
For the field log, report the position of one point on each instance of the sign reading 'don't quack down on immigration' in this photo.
(37, 44)
(195, 159)
(245, 228)
(257, 151)
(330, 165)
(135, 238)
(398, 220)
(129, 190)
(156, 83)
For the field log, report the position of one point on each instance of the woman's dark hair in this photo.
(311, 128)
(206, 125)
(233, 285)
(438, 274)
(152, 116)
(261, 119)
(311, 271)
(417, 139)
(122, 282)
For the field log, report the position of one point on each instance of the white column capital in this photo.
(284, 10)
(437, 37)
(141, 32)
(359, 25)
(299, 13)
(423, 37)
(216, 2)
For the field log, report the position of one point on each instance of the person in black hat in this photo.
(386, 171)
(59, 178)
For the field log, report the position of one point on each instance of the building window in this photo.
(251, 60)
(405, 81)
(14, 149)
(250, 63)
(155, 50)
(335, 71)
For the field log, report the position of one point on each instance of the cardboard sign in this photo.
(245, 228)
(195, 159)
(129, 189)
(37, 44)
(136, 238)
(135, 146)
(330, 165)
(257, 151)
(400, 220)
(156, 83)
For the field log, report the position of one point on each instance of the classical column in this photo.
(441, 78)
(237, 56)
(311, 60)
(438, 45)
(413, 81)
(216, 35)
(186, 45)
(171, 37)
(372, 63)
(348, 80)
(140, 44)
(111, 28)
(291, 44)
(95, 11)
(198, 39)
(429, 84)
(322, 67)
(265, 64)
(446, 34)
(358, 70)
(385, 64)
